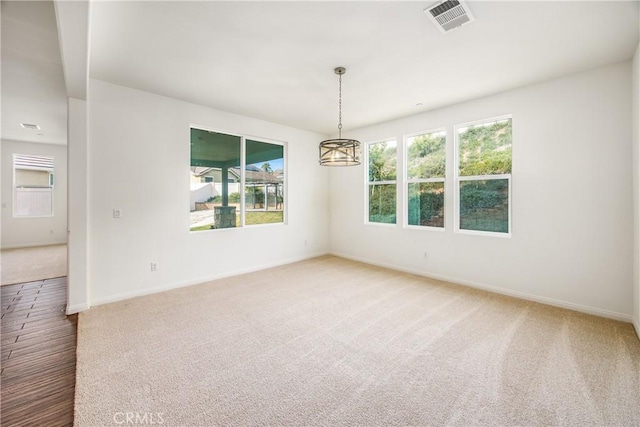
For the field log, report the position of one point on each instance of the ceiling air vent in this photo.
(449, 15)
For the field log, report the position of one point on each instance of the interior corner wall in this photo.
(22, 231)
(139, 157)
(636, 189)
(571, 206)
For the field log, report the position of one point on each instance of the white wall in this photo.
(21, 231)
(636, 189)
(572, 210)
(139, 162)
(78, 245)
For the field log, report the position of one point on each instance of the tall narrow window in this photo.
(381, 171)
(229, 189)
(264, 183)
(484, 176)
(426, 162)
(33, 185)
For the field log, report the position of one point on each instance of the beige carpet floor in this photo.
(31, 264)
(334, 342)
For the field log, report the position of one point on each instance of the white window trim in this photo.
(243, 184)
(407, 181)
(484, 177)
(457, 179)
(370, 183)
(243, 167)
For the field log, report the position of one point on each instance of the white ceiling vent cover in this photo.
(449, 15)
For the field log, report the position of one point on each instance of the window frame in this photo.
(14, 190)
(458, 179)
(242, 182)
(407, 181)
(388, 182)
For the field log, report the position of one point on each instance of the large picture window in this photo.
(33, 185)
(483, 176)
(381, 172)
(425, 166)
(235, 181)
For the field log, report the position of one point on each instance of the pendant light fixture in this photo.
(340, 152)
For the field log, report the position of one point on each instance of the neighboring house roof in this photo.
(261, 176)
(252, 174)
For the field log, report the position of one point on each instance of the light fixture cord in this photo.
(340, 108)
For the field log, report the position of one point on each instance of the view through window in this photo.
(223, 195)
(484, 176)
(33, 185)
(264, 183)
(426, 163)
(382, 181)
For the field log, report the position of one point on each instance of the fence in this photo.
(33, 202)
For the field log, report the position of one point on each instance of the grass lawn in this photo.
(252, 218)
(260, 217)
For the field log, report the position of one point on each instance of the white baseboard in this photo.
(636, 325)
(522, 295)
(34, 245)
(517, 294)
(73, 309)
(199, 280)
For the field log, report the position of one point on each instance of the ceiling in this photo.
(33, 89)
(275, 60)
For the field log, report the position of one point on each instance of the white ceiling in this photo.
(275, 60)
(33, 89)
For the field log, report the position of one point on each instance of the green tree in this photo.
(382, 162)
(426, 156)
(266, 167)
(484, 205)
(382, 203)
(485, 149)
(382, 197)
(426, 204)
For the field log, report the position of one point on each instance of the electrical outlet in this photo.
(154, 266)
(117, 213)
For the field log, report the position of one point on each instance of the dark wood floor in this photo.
(38, 355)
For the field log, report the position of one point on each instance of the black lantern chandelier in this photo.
(340, 152)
